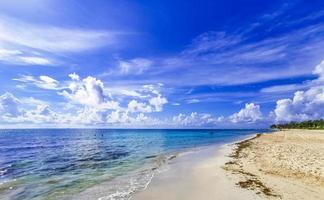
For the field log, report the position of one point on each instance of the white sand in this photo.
(290, 163)
(196, 177)
(287, 164)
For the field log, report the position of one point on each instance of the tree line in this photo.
(309, 124)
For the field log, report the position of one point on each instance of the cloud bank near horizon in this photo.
(87, 102)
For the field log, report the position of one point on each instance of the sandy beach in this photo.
(280, 165)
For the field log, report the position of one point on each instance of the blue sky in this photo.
(160, 63)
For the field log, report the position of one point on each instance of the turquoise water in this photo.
(59, 163)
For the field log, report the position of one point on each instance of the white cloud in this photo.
(195, 120)
(43, 81)
(155, 101)
(41, 115)
(25, 43)
(131, 93)
(151, 88)
(211, 41)
(32, 101)
(9, 105)
(202, 62)
(34, 112)
(158, 102)
(127, 91)
(48, 82)
(134, 66)
(74, 76)
(89, 92)
(6, 54)
(304, 105)
(35, 60)
(134, 106)
(283, 88)
(249, 114)
(89, 116)
(319, 70)
(27, 110)
(191, 101)
(20, 58)
(123, 119)
(117, 117)
(50, 38)
(30, 111)
(146, 99)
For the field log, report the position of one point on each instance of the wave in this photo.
(124, 187)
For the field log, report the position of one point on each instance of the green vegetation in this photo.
(310, 124)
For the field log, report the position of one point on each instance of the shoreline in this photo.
(245, 169)
(99, 191)
(197, 176)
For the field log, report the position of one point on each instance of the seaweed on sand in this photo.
(251, 180)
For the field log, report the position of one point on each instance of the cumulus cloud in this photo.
(305, 105)
(195, 120)
(90, 116)
(249, 114)
(30, 111)
(153, 100)
(34, 112)
(140, 120)
(118, 117)
(89, 92)
(37, 112)
(86, 102)
(42, 114)
(90, 112)
(74, 76)
(9, 105)
(27, 110)
(319, 70)
(158, 102)
(134, 106)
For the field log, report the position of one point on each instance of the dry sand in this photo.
(280, 165)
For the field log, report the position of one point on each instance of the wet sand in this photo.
(280, 165)
(194, 177)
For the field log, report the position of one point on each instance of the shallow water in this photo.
(60, 163)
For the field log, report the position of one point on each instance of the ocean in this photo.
(62, 163)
